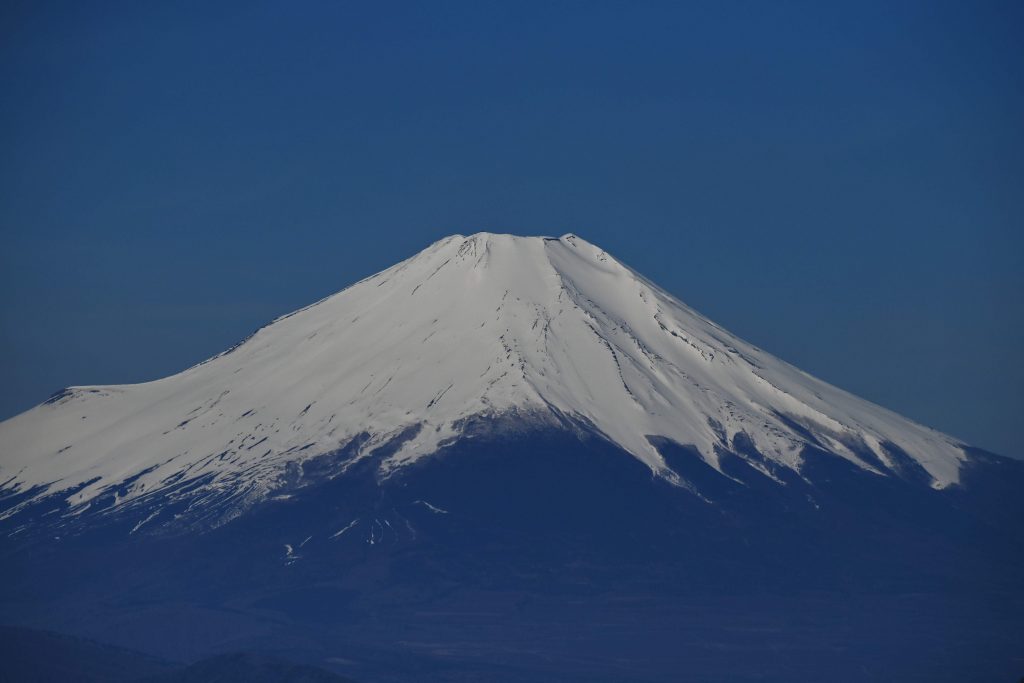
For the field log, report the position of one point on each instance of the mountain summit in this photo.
(471, 328)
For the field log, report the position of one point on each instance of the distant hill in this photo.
(30, 656)
(245, 667)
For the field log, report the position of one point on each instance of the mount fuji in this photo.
(513, 458)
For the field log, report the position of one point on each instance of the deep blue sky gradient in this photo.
(842, 185)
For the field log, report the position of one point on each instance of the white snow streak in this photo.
(341, 531)
(432, 508)
(139, 525)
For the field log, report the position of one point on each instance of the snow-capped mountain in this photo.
(470, 328)
(512, 459)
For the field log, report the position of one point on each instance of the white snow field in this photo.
(471, 327)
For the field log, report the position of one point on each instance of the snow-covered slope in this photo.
(471, 327)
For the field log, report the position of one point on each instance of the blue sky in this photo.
(840, 184)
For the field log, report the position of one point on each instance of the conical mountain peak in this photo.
(472, 328)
